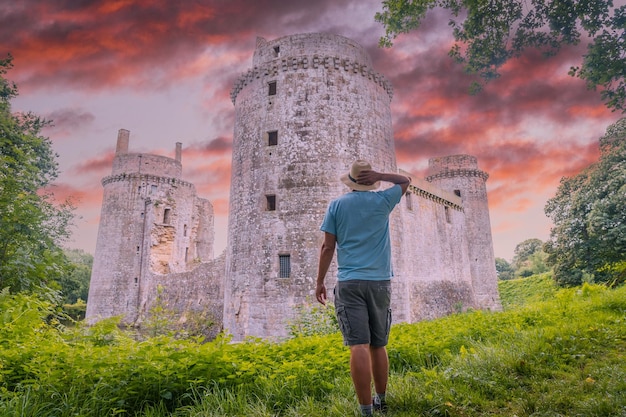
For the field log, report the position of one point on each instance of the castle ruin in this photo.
(310, 105)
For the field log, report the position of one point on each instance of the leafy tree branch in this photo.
(488, 33)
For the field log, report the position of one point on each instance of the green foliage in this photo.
(523, 291)
(76, 311)
(314, 319)
(528, 259)
(561, 354)
(504, 269)
(604, 62)
(75, 284)
(524, 250)
(589, 217)
(31, 224)
(164, 321)
(490, 33)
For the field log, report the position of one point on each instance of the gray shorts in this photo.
(363, 311)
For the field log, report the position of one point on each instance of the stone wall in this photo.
(198, 291)
(310, 105)
(151, 222)
(317, 95)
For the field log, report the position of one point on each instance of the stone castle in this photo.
(310, 105)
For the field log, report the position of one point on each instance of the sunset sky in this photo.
(164, 70)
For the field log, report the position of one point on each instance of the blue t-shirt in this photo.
(360, 222)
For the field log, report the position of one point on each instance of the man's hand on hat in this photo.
(368, 177)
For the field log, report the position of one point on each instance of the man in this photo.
(357, 224)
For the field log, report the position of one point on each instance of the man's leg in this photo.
(361, 372)
(380, 368)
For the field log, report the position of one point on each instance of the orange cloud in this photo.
(99, 165)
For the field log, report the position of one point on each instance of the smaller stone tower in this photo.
(460, 175)
(151, 224)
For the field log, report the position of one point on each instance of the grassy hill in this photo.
(551, 352)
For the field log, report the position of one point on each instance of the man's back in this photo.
(360, 222)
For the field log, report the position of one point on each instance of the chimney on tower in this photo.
(123, 136)
(179, 148)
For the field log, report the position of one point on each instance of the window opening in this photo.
(166, 216)
(277, 51)
(447, 211)
(285, 266)
(272, 88)
(153, 189)
(137, 249)
(186, 254)
(185, 230)
(271, 202)
(272, 138)
(457, 193)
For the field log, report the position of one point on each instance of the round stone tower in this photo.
(151, 223)
(308, 108)
(460, 174)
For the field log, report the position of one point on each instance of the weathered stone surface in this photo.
(151, 224)
(308, 108)
(328, 107)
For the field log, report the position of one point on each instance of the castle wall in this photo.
(196, 292)
(114, 285)
(461, 173)
(430, 255)
(328, 108)
(151, 222)
(307, 109)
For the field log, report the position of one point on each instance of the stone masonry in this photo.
(310, 105)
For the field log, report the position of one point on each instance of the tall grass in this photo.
(550, 353)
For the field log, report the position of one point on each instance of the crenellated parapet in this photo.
(426, 190)
(451, 173)
(299, 63)
(437, 199)
(152, 179)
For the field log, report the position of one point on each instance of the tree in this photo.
(588, 238)
(529, 258)
(31, 226)
(75, 284)
(489, 33)
(524, 250)
(504, 270)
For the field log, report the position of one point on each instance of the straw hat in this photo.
(350, 178)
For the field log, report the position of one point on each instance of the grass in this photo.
(551, 352)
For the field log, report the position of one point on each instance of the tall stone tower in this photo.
(310, 105)
(151, 224)
(460, 175)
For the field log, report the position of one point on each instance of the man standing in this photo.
(357, 224)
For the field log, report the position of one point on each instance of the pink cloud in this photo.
(99, 165)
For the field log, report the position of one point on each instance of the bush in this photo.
(559, 354)
(313, 320)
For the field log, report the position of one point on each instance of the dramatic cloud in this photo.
(97, 165)
(165, 69)
(67, 121)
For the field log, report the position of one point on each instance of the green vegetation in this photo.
(528, 259)
(490, 33)
(524, 291)
(32, 224)
(75, 284)
(551, 352)
(588, 240)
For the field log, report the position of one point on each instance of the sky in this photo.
(164, 70)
